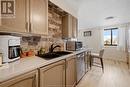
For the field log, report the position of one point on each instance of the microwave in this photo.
(73, 45)
(10, 48)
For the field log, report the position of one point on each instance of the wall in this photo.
(65, 6)
(36, 42)
(54, 24)
(94, 42)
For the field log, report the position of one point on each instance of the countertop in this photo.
(25, 65)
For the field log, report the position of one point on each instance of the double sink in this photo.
(56, 54)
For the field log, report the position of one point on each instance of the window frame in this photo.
(111, 29)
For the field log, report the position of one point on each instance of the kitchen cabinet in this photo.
(71, 71)
(74, 27)
(53, 75)
(26, 80)
(16, 23)
(30, 17)
(39, 16)
(69, 26)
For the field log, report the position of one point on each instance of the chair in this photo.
(88, 57)
(97, 56)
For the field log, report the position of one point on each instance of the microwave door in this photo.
(11, 52)
(15, 52)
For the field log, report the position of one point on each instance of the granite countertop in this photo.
(25, 65)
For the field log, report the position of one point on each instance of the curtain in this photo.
(122, 38)
(101, 38)
(128, 38)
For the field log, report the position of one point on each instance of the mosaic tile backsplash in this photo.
(35, 43)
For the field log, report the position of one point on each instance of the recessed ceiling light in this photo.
(110, 17)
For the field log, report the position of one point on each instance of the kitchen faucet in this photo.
(52, 48)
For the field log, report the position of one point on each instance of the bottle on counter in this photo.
(41, 51)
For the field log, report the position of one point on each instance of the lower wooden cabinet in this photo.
(71, 71)
(26, 80)
(58, 74)
(53, 75)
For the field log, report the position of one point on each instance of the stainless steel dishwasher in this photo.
(80, 64)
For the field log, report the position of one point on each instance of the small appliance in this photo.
(10, 48)
(73, 45)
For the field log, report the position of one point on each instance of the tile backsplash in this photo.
(36, 42)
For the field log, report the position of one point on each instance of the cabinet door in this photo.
(70, 26)
(53, 75)
(18, 22)
(74, 27)
(38, 16)
(26, 80)
(67, 26)
(70, 72)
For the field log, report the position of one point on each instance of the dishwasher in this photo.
(80, 64)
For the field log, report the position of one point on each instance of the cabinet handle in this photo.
(66, 64)
(30, 27)
(27, 26)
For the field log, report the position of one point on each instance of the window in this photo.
(111, 37)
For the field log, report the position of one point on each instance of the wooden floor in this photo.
(116, 74)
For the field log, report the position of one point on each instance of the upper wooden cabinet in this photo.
(30, 16)
(53, 75)
(71, 71)
(26, 80)
(69, 26)
(39, 16)
(16, 23)
(74, 27)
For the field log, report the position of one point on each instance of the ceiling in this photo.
(92, 13)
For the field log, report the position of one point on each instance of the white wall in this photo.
(65, 6)
(92, 13)
(94, 42)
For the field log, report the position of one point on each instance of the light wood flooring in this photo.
(115, 74)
